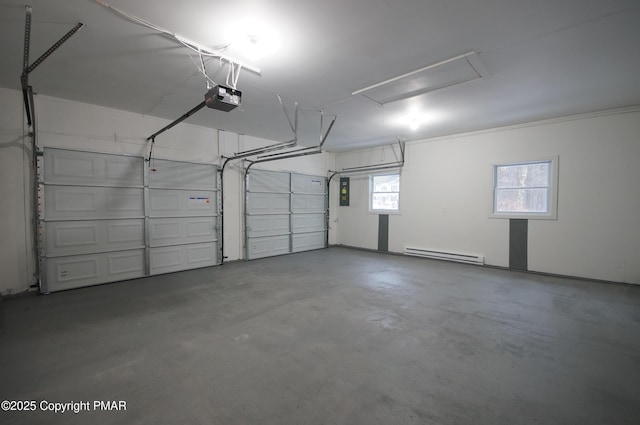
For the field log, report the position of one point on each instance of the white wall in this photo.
(16, 259)
(73, 125)
(445, 186)
(446, 190)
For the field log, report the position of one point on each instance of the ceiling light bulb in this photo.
(253, 39)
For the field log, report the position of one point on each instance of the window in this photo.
(525, 190)
(385, 193)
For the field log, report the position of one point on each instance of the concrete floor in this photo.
(336, 336)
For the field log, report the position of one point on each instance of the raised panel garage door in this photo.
(308, 209)
(183, 220)
(285, 213)
(106, 218)
(91, 219)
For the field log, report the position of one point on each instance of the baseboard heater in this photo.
(441, 255)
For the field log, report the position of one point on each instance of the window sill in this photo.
(384, 212)
(527, 216)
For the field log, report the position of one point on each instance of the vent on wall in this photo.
(441, 255)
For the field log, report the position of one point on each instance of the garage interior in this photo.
(338, 212)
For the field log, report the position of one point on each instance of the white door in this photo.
(91, 219)
(268, 209)
(107, 218)
(182, 216)
(285, 213)
(308, 209)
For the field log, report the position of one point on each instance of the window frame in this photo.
(371, 193)
(552, 194)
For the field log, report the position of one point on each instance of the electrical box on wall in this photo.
(344, 191)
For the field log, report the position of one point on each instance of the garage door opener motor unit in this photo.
(223, 98)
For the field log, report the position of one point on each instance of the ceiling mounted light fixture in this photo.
(252, 38)
(415, 121)
(414, 118)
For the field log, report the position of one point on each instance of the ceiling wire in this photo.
(183, 41)
(203, 70)
(235, 75)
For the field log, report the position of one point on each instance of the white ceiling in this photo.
(541, 59)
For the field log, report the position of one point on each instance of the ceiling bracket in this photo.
(293, 125)
(27, 91)
(53, 48)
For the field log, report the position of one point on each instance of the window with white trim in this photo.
(525, 189)
(384, 193)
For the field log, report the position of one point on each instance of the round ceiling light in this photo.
(253, 39)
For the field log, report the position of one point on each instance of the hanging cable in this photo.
(207, 78)
(233, 75)
(185, 42)
(204, 70)
(235, 80)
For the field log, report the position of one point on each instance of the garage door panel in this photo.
(124, 263)
(268, 181)
(268, 225)
(182, 217)
(275, 222)
(81, 203)
(123, 201)
(69, 269)
(181, 203)
(182, 230)
(183, 257)
(308, 241)
(305, 223)
(301, 183)
(165, 259)
(201, 228)
(308, 203)
(268, 203)
(98, 229)
(268, 246)
(92, 269)
(182, 175)
(86, 168)
(90, 236)
(125, 232)
(64, 235)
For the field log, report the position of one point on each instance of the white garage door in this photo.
(285, 213)
(182, 211)
(103, 218)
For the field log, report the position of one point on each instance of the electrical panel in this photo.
(344, 191)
